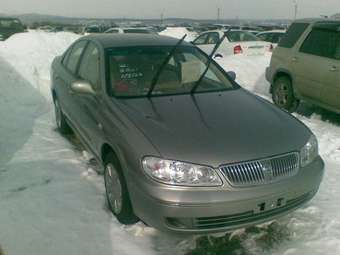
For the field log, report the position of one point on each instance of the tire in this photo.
(283, 94)
(117, 194)
(60, 119)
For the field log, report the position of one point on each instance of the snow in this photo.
(179, 32)
(52, 200)
(249, 71)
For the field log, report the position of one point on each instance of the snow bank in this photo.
(179, 32)
(32, 53)
(250, 71)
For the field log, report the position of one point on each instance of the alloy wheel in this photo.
(282, 95)
(113, 188)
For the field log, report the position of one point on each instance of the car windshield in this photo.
(132, 70)
(241, 36)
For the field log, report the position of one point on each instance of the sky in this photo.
(200, 9)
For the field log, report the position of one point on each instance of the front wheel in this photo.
(283, 94)
(117, 193)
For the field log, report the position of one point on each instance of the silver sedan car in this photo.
(184, 148)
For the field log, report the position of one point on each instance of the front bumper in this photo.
(204, 210)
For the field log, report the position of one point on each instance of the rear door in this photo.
(331, 92)
(314, 65)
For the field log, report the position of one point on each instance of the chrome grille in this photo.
(262, 171)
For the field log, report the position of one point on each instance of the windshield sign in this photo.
(131, 71)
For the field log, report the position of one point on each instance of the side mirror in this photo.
(232, 75)
(82, 87)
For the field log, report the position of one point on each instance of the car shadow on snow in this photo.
(20, 105)
(45, 203)
(308, 110)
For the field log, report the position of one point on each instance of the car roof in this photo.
(273, 31)
(131, 40)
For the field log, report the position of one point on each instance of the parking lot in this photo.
(53, 201)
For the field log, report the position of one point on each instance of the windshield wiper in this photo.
(218, 44)
(165, 62)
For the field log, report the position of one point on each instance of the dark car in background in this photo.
(10, 26)
(183, 146)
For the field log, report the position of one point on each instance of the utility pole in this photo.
(162, 18)
(218, 14)
(295, 9)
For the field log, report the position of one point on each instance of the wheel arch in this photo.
(106, 149)
(54, 94)
(281, 73)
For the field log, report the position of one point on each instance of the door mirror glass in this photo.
(82, 87)
(232, 75)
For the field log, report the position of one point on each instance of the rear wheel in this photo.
(117, 193)
(60, 119)
(283, 94)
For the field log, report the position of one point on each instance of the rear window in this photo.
(293, 34)
(92, 30)
(241, 36)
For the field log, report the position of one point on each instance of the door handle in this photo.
(295, 59)
(334, 69)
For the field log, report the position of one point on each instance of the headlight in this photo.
(309, 152)
(180, 173)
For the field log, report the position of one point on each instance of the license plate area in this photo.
(270, 204)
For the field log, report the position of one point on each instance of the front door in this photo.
(90, 115)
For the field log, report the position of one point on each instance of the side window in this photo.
(320, 43)
(89, 66)
(277, 37)
(74, 56)
(66, 56)
(213, 38)
(113, 31)
(293, 34)
(262, 37)
(201, 39)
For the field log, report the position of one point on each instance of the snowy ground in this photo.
(52, 202)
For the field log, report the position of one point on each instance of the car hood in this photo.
(215, 128)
